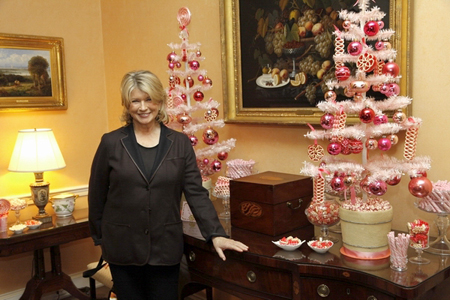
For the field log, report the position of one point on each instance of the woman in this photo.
(138, 175)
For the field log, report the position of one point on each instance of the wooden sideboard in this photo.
(268, 272)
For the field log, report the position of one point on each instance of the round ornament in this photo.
(184, 118)
(330, 96)
(222, 155)
(194, 140)
(207, 81)
(393, 138)
(184, 97)
(337, 184)
(359, 86)
(171, 56)
(387, 45)
(216, 165)
(334, 148)
(371, 144)
(378, 188)
(346, 24)
(194, 65)
(367, 115)
(364, 184)
(210, 136)
(393, 90)
(371, 28)
(327, 121)
(391, 68)
(420, 187)
(178, 64)
(171, 65)
(315, 152)
(349, 180)
(206, 161)
(345, 144)
(380, 119)
(348, 93)
(384, 144)
(380, 24)
(394, 181)
(399, 117)
(356, 146)
(354, 48)
(379, 45)
(342, 73)
(198, 96)
(200, 77)
(198, 53)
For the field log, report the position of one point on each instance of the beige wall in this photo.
(106, 38)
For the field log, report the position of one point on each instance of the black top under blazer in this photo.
(137, 220)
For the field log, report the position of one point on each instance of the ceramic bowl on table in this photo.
(18, 228)
(320, 246)
(289, 244)
(33, 224)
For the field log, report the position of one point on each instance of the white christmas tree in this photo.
(364, 60)
(188, 83)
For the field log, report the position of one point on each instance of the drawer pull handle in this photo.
(290, 205)
(192, 256)
(251, 276)
(323, 290)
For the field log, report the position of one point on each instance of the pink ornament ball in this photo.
(184, 118)
(171, 56)
(371, 144)
(394, 181)
(391, 68)
(379, 45)
(420, 187)
(207, 81)
(354, 48)
(346, 24)
(216, 165)
(399, 117)
(378, 188)
(194, 65)
(210, 136)
(206, 161)
(198, 96)
(367, 115)
(222, 155)
(198, 53)
(171, 65)
(178, 64)
(194, 140)
(380, 119)
(356, 146)
(393, 90)
(342, 73)
(384, 88)
(200, 78)
(380, 24)
(384, 144)
(327, 121)
(334, 148)
(337, 184)
(371, 28)
(188, 80)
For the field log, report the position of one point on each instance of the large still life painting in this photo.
(278, 55)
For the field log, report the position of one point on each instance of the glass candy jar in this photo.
(323, 214)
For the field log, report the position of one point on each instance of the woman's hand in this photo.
(221, 243)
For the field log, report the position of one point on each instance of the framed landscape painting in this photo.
(31, 73)
(258, 37)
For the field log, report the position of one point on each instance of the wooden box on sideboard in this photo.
(271, 203)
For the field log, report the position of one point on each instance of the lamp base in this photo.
(43, 218)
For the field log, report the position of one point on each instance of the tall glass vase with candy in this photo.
(322, 212)
(419, 240)
(17, 205)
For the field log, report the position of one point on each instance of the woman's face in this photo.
(142, 109)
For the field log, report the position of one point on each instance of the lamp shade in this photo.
(36, 151)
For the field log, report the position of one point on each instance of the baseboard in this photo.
(77, 279)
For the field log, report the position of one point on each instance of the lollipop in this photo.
(184, 16)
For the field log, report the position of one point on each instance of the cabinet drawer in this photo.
(319, 288)
(250, 276)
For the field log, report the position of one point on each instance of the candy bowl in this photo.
(33, 224)
(17, 228)
(320, 246)
(289, 243)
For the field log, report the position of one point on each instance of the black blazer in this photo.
(135, 220)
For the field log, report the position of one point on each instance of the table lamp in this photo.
(37, 151)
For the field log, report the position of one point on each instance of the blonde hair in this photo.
(146, 82)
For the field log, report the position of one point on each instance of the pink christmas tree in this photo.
(364, 60)
(188, 106)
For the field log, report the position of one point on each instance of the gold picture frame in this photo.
(32, 73)
(232, 64)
